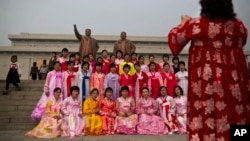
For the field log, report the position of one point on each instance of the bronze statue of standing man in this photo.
(87, 43)
(125, 45)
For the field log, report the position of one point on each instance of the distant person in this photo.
(34, 71)
(14, 74)
(218, 93)
(43, 70)
(87, 43)
(125, 45)
(52, 60)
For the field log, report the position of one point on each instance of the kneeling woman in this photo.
(91, 110)
(73, 122)
(108, 111)
(126, 119)
(49, 126)
(149, 123)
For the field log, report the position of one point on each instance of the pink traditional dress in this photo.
(77, 66)
(144, 68)
(141, 80)
(105, 66)
(53, 80)
(127, 80)
(149, 123)
(63, 61)
(108, 114)
(92, 66)
(72, 124)
(126, 125)
(181, 113)
(154, 83)
(218, 90)
(69, 80)
(167, 112)
(49, 126)
(169, 81)
(118, 61)
(112, 80)
(97, 81)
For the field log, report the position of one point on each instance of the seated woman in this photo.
(126, 119)
(73, 122)
(91, 110)
(49, 126)
(149, 123)
(108, 111)
(181, 109)
(167, 110)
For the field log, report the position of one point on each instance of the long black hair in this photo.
(222, 9)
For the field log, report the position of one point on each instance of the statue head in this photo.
(87, 32)
(123, 35)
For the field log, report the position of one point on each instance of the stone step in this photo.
(17, 126)
(16, 113)
(2, 82)
(19, 97)
(15, 108)
(17, 102)
(24, 119)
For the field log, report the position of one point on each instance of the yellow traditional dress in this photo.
(132, 69)
(93, 121)
(49, 127)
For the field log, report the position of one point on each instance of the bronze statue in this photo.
(125, 45)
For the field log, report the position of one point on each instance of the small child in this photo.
(14, 74)
(73, 122)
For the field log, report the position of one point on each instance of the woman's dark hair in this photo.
(98, 64)
(179, 89)
(93, 90)
(57, 89)
(74, 88)
(137, 64)
(222, 9)
(118, 51)
(77, 53)
(151, 56)
(141, 56)
(133, 54)
(152, 63)
(34, 64)
(165, 55)
(106, 90)
(99, 58)
(90, 54)
(72, 55)
(57, 62)
(112, 55)
(70, 62)
(181, 63)
(65, 50)
(175, 58)
(124, 88)
(126, 66)
(86, 56)
(145, 88)
(126, 55)
(112, 65)
(85, 63)
(165, 64)
(104, 51)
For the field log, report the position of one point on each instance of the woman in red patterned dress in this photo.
(218, 91)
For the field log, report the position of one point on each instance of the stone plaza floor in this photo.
(19, 136)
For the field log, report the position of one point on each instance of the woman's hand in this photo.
(184, 19)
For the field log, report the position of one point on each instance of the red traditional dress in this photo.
(154, 84)
(63, 61)
(105, 66)
(169, 81)
(77, 66)
(108, 114)
(69, 80)
(127, 80)
(141, 80)
(218, 90)
(157, 67)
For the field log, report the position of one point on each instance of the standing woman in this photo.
(126, 118)
(53, 80)
(181, 110)
(108, 111)
(64, 59)
(218, 91)
(182, 77)
(169, 79)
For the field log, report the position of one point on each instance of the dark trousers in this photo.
(8, 84)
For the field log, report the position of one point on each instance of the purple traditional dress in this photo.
(112, 80)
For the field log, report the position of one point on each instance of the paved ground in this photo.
(19, 136)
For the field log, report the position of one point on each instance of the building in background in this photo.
(36, 47)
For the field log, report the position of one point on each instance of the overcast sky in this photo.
(104, 17)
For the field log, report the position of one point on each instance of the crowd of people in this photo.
(114, 94)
